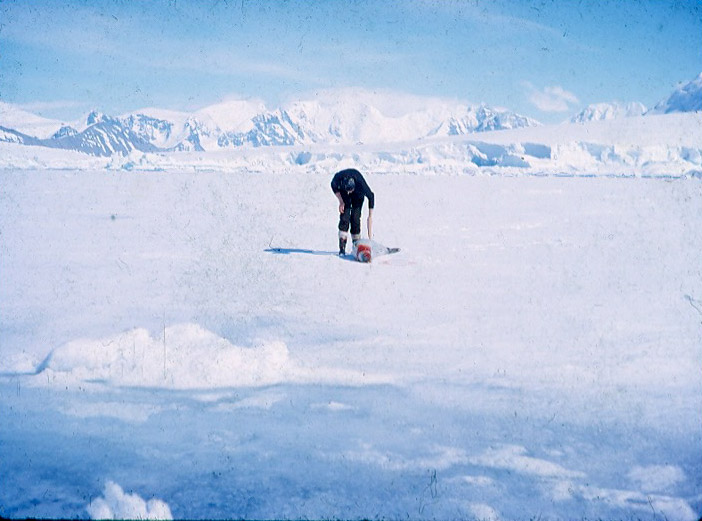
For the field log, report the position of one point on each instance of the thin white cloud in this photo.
(551, 99)
(486, 14)
(483, 14)
(40, 106)
(100, 36)
(224, 62)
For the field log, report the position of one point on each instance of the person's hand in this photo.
(341, 207)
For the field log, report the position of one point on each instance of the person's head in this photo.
(350, 185)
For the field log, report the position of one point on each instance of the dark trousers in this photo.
(352, 216)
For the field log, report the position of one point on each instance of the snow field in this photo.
(532, 350)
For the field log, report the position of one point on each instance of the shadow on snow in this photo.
(288, 251)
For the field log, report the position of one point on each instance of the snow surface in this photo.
(183, 341)
(196, 346)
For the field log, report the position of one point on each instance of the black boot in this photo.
(342, 245)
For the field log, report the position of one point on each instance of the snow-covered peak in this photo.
(64, 131)
(11, 116)
(176, 117)
(686, 98)
(232, 115)
(480, 118)
(157, 131)
(389, 103)
(94, 117)
(609, 111)
(341, 120)
(354, 115)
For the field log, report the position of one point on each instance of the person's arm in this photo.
(365, 189)
(369, 223)
(341, 201)
(371, 204)
(336, 188)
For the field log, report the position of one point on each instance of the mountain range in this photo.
(685, 98)
(344, 120)
(346, 116)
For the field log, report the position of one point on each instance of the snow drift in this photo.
(116, 504)
(184, 356)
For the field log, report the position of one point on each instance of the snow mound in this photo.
(184, 356)
(515, 458)
(483, 511)
(667, 507)
(115, 504)
(437, 457)
(657, 478)
(18, 363)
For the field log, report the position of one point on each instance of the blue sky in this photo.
(544, 59)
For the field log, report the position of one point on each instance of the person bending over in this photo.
(351, 189)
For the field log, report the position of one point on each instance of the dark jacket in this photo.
(362, 190)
